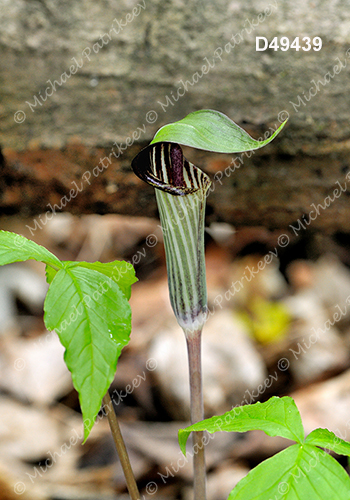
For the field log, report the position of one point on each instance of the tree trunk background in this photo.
(155, 63)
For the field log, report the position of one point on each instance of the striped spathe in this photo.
(181, 190)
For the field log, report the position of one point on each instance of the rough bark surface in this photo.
(76, 77)
(148, 48)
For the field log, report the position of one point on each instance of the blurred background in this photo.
(83, 87)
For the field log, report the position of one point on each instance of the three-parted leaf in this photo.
(92, 318)
(276, 417)
(299, 472)
(87, 305)
(296, 473)
(212, 131)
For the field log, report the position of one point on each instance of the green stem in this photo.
(197, 412)
(121, 449)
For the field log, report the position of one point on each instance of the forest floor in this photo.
(279, 324)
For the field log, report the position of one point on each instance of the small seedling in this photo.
(301, 471)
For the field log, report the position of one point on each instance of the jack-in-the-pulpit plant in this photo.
(182, 219)
(181, 192)
(87, 305)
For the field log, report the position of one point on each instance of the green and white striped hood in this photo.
(181, 191)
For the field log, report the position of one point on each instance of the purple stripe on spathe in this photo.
(177, 166)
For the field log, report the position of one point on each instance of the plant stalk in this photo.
(121, 449)
(197, 412)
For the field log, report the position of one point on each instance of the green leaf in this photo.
(276, 417)
(87, 305)
(298, 472)
(327, 439)
(120, 272)
(92, 317)
(50, 273)
(212, 131)
(17, 248)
